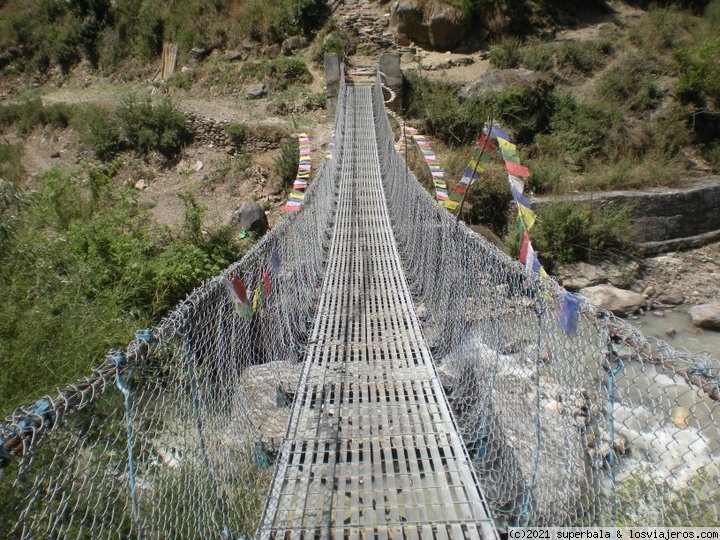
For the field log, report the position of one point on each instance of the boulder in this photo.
(292, 44)
(619, 301)
(251, 217)
(577, 276)
(442, 28)
(495, 81)
(706, 315)
(271, 51)
(671, 298)
(255, 91)
(446, 26)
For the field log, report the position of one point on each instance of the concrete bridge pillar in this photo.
(389, 65)
(332, 80)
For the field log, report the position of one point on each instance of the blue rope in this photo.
(525, 512)
(118, 358)
(611, 372)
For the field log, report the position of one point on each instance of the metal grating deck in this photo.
(372, 450)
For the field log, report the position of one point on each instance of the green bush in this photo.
(146, 127)
(280, 73)
(287, 161)
(631, 84)
(570, 232)
(507, 55)
(98, 130)
(238, 134)
(445, 116)
(699, 69)
(80, 273)
(11, 169)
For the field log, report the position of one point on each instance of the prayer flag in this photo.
(487, 144)
(516, 169)
(531, 259)
(527, 216)
(516, 182)
(499, 133)
(524, 246)
(266, 280)
(451, 205)
(274, 261)
(519, 197)
(240, 289)
(569, 314)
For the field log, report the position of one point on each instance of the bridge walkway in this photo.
(372, 449)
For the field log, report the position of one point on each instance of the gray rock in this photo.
(671, 298)
(251, 217)
(609, 297)
(234, 56)
(706, 315)
(442, 28)
(255, 91)
(271, 51)
(495, 81)
(292, 44)
(577, 276)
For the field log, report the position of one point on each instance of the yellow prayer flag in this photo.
(476, 165)
(451, 205)
(507, 146)
(527, 216)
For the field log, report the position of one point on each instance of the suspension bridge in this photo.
(393, 376)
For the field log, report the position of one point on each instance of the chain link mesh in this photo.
(175, 436)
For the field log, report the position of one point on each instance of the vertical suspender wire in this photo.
(525, 515)
(124, 386)
(613, 365)
(201, 435)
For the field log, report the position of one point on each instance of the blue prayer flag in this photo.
(569, 314)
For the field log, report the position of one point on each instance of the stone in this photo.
(609, 297)
(672, 298)
(577, 276)
(648, 292)
(681, 417)
(706, 315)
(55, 154)
(292, 44)
(495, 81)
(271, 51)
(250, 217)
(198, 165)
(255, 91)
(141, 184)
(442, 28)
(234, 56)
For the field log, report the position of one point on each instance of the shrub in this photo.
(238, 134)
(146, 127)
(631, 84)
(98, 130)
(507, 55)
(85, 273)
(445, 116)
(11, 169)
(699, 69)
(280, 73)
(569, 232)
(287, 161)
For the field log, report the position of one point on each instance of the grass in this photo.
(82, 268)
(278, 73)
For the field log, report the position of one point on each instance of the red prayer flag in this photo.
(524, 246)
(266, 282)
(516, 169)
(240, 289)
(483, 141)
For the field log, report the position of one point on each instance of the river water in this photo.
(686, 335)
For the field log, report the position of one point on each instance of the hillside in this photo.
(119, 185)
